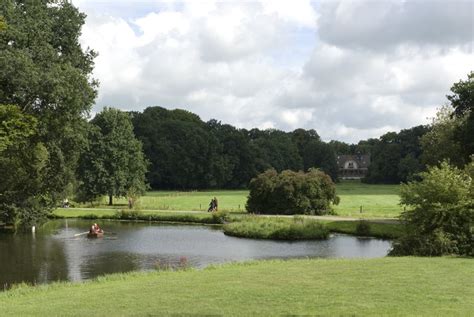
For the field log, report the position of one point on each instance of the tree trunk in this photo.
(110, 200)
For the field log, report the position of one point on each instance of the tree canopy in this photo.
(47, 76)
(441, 213)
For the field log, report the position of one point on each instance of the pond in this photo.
(56, 253)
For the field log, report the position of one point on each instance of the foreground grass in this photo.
(387, 286)
(377, 201)
(296, 228)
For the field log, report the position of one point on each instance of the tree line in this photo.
(188, 153)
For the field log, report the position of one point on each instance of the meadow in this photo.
(375, 201)
(374, 287)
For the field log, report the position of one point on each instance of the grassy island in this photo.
(296, 228)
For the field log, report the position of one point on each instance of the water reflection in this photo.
(55, 253)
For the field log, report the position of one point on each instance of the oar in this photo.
(80, 234)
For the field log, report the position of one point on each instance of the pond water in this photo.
(55, 253)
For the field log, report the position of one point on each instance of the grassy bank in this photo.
(376, 229)
(297, 228)
(125, 214)
(387, 286)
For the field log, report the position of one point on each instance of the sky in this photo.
(351, 70)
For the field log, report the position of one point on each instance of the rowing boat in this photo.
(95, 234)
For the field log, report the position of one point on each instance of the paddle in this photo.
(80, 234)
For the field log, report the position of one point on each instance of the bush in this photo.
(291, 193)
(363, 228)
(220, 216)
(130, 214)
(442, 216)
(88, 216)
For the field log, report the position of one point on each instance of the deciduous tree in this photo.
(45, 72)
(114, 163)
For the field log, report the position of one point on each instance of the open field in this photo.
(377, 201)
(387, 286)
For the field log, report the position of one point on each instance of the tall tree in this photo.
(182, 152)
(45, 72)
(439, 143)
(462, 101)
(315, 153)
(22, 169)
(114, 163)
(395, 157)
(238, 161)
(275, 149)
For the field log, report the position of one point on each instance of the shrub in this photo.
(442, 215)
(88, 216)
(220, 216)
(363, 228)
(291, 193)
(130, 214)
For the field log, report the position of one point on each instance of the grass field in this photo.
(387, 286)
(377, 201)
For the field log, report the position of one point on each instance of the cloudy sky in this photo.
(348, 69)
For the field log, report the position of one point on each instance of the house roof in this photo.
(363, 161)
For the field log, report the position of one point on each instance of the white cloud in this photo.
(348, 69)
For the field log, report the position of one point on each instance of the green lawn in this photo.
(229, 200)
(386, 286)
(377, 201)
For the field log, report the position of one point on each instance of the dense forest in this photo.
(187, 153)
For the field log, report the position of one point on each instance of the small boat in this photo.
(95, 234)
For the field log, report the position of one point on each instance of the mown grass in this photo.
(375, 287)
(229, 200)
(296, 228)
(377, 201)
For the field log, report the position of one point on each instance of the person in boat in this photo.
(95, 229)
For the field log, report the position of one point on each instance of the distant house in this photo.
(353, 166)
